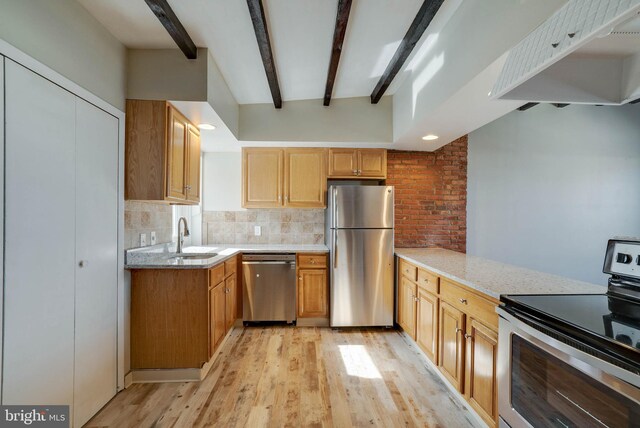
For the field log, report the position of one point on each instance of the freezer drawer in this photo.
(360, 207)
(361, 277)
(269, 288)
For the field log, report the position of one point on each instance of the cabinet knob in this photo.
(359, 171)
(417, 299)
(463, 301)
(313, 262)
(300, 278)
(355, 171)
(286, 198)
(458, 330)
(467, 336)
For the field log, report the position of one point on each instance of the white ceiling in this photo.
(301, 34)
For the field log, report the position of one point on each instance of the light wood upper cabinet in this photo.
(277, 178)
(193, 165)
(354, 163)
(372, 163)
(305, 178)
(451, 344)
(343, 163)
(262, 171)
(481, 388)
(427, 324)
(162, 154)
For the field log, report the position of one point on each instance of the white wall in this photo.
(64, 36)
(548, 187)
(222, 181)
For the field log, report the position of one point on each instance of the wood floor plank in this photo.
(282, 376)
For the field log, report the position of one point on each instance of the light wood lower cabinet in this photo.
(427, 320)
(451, 338)
(230, 301)
(457, 329)
(312, 286)
(407, 306)
(217, 312)
(179, 317)
(481, 374)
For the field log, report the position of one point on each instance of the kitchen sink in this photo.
(193, 256)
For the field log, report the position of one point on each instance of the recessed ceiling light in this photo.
(430, 137)
(206, 127)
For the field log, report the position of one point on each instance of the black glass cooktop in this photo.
(609, 324)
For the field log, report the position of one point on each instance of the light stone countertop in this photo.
(493, 278)
(159, 256)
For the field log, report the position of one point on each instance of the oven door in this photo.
(546, 383)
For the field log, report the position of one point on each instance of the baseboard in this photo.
(312, 322)
(128, 380)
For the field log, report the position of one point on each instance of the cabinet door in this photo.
(217, 313)
(97, 260)
(312, 293)
(176, 155)
(481, 381)
(451, 344)
(372, 163)
(193, 165)
(230, 305)
(343, 163)
(427, 324)
(407, 306)
(262, 175)
(40, 196)
(305, 178)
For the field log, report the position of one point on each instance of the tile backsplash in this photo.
(281, 226)
(145, 217)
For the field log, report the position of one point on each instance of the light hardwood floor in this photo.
(281, 376)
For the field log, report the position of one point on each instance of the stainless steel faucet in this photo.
(182, 235)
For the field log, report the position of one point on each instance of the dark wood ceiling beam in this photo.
(560, 105)
(527, 106)
(256, 10)
(174, 27)
(342, 17)
(420, 23)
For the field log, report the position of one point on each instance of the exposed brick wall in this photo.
(431, 196)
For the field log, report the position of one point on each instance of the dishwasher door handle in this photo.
(267, 263)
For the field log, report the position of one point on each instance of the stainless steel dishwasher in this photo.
(269, 287)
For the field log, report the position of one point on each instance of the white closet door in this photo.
(1, 198)
(95, 379)
(40, 190)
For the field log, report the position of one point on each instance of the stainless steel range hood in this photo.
(586, 53)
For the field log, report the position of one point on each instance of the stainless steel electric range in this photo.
(574, 360)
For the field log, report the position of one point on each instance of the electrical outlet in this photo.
(153, 238)
(143, 239)
(257, 230)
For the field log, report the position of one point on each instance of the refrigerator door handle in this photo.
(335, 250)
(335, 207)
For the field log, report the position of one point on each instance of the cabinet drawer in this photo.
(428, 281)
(216, 275)
(408, 270)
(230, 266)
(470, 303)
(312, 261)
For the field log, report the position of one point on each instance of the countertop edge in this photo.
(447, 275)
(487, 292)
(220, 259)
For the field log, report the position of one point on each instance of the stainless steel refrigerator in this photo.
(360, 239)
